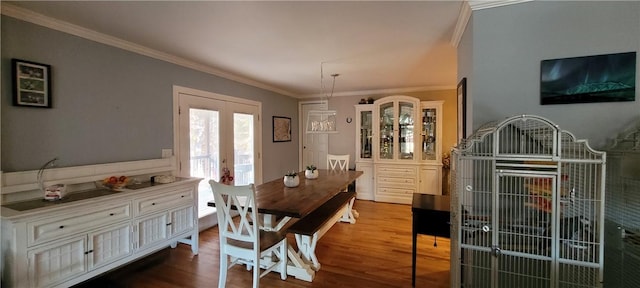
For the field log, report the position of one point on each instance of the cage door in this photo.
(524, 220)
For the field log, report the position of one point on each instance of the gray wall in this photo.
(110, 105)
(502, 49)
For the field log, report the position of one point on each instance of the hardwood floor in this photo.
(374, 252)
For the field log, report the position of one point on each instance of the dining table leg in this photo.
(297, 266)
(271, 223)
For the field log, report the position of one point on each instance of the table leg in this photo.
(269, 222)
(297, 266)
(413, 254)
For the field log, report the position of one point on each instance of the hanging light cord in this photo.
(333, 85)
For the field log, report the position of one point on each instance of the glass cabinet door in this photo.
(428, 133)
(387, 117)
(366, 127)
(405, 130)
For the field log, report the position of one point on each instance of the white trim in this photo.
(66, 27)
(461, 24)
(211, 95)
(466, 10)
(301, 128)
(26, 180)
(389, 91)
(177, 90)
(485, 4)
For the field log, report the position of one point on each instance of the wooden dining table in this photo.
(279, 204)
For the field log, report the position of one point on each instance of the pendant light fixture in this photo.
(323, 121)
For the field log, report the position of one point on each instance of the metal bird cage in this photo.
(622, 213)
(527, 207)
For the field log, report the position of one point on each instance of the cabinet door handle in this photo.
(154, 203)
(182, 196)
(90, 251)
(169, 224)
(61, 226)
(111, 214)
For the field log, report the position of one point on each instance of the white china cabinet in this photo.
(431, 147)
(364, 151)
(405, 145)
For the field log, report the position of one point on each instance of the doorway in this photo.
(314, 146)
(217, 136)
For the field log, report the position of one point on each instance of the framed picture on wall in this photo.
(462, 109)
(587, 79)
(31, 84)
(281, 129)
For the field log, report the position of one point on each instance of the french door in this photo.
(218, 134)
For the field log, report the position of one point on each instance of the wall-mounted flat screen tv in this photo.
(600, 78)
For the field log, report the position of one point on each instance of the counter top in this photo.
(21, 208)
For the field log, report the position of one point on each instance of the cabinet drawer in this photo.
(164, 201)
(396, 171)
(52, 228)
(404, 181)
(395, 191)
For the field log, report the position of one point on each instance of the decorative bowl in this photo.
(114, 183)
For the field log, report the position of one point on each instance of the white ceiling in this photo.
(280, 45)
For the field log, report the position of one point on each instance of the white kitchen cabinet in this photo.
(364, 183)
(109, 244)
(396, 183)
(67, 243)
(161, 226)
(55, 262)
(430, 180)
(62, 260)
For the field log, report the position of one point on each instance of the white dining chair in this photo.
(338, 162)
(341, 163)
(241, 240)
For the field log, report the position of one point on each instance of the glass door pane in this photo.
(204, 134)
(405, 130)
(429, 134)
(243, 150)
(386, 130)
(365, 134)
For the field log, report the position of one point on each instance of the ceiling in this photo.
(282, 46)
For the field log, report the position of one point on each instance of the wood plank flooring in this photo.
(374, 252)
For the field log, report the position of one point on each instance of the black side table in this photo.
(430, 216)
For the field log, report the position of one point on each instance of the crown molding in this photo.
(378, 92)
(461, 24)
(66, 27)
(466, 10)
(484, 4)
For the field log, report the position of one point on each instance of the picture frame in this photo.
(588, 79)
(31, 84)
(281, 129)
(462, 109)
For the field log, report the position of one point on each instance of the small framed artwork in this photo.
(281, 129)
(462, 109)
(31, 84)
